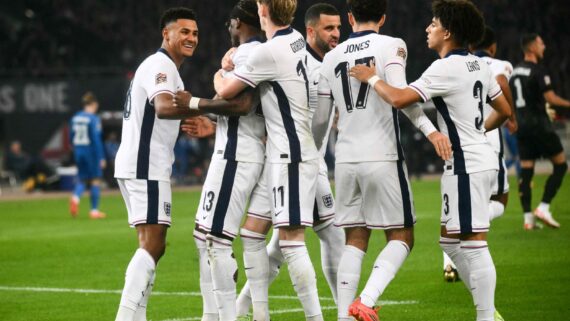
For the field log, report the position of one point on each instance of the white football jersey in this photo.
(314, 62)
(459, 86)
(368, 128)
(278, 68)
(240, 138)
(498, 67)
(147, 142)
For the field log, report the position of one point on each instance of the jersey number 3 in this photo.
(478, 94)
(341, 71)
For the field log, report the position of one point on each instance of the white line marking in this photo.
(193, 294)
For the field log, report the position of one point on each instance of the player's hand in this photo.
(103, 164)
(363, 72)
(198, 127)
(181, 99)
(441, 144)
(512, 126)
(227, 62)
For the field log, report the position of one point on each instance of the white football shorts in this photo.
(224, 197)
(147, 201)
(376, 195)
(465, 202)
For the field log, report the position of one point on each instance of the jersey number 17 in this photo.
(341, 71)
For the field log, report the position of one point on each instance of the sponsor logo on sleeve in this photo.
(402, 53)
(160, 78)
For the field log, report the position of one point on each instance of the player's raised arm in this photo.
(167, 107)
(240, 105)
(399, 98)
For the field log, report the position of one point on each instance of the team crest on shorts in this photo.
(328, 200)
(167, 208)
(160, 78)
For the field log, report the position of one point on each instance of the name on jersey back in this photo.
(473, 66)
(357, 47)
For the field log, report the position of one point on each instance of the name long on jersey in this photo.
(368, 127)
(459, 85)
(278, 68)
(147, 142)
(314, 63)
(498, 67)
(240, 138)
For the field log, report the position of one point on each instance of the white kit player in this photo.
(502, 70)
(144, 161)
(373, 190)
(277, 67)
(322, 23)
(459, 84)
(236, 165)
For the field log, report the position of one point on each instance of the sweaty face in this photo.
(182, 37)
(435, 34)
(327, 32)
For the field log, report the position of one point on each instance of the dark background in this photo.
(52, 51)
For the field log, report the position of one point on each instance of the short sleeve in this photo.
(396, 54)
(494, 88)
(434, 82)
(543, 80)
(258, 67)
(160, 78)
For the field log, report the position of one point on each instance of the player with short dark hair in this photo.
(459, 84)
(532, 89)
(373, 189)
(89, 155)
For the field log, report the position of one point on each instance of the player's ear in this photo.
(382, 21)
(351, 19)
(238, 23)
(165, 34)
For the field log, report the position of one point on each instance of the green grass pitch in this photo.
(53, 267)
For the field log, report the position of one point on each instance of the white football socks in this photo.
(303, 276)
(332, 239)
(452, 247)
(209, 308)
(223, 267)
(385, 268)
(139, 273)
(447, 260)
(496, 209)
(348, 276)
(140, 314)
(483, 278)
(256, 265)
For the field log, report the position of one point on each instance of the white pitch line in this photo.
(194, 294)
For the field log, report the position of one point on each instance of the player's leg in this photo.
(388, 205)
(350, 217)
(95, 196)
(331, 237)
(82, 177)
(500, 191)
(148, 205)
(552, 146)
(528, 153)
(209, 308)
(256, 265)
(294, 187)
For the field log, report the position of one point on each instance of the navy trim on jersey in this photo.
(166, 53)
(152, 202)
(481, 54)
(314, 53)
(464, 203)
(501, 182)
(458, 157)
(224, 197)
(406, 199)
(254, 38)
(316, 216)
(294, 206)
(361, 33)
(288, 122)
(231, 144)
(397, 132)
(143, 157)
(460, 52)
(283, 32)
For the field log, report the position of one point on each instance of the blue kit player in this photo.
(89, 155)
